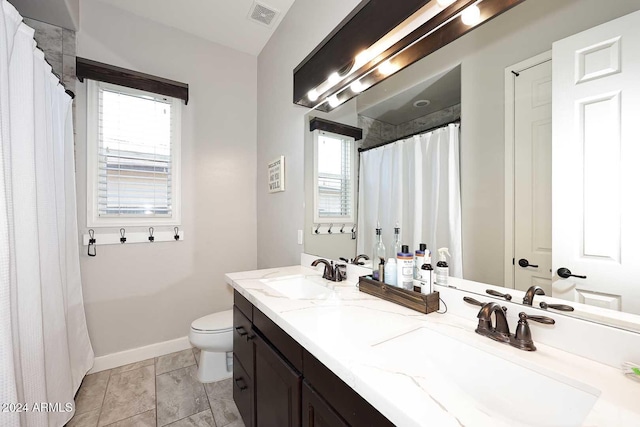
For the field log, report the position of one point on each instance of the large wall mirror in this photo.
(526, 127)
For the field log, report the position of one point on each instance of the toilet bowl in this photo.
(213, 335)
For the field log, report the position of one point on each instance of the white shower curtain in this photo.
(44, 343)
(414, 182)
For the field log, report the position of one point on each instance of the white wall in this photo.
(520, 33)
(147, 293)
(281, 125)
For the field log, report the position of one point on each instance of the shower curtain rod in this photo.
(362, 150)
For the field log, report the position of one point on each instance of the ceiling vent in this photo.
(262, 14)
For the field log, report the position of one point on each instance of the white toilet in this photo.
(213, 335)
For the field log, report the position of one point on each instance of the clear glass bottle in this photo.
(379, 251)
(397, 246)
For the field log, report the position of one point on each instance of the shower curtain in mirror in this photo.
(44, 343)
(414, 182)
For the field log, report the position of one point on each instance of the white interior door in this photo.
(532, 178)
(596, 165)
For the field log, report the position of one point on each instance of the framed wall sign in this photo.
(275, 169)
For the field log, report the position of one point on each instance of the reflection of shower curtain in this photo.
(414, 182)
(44, 343)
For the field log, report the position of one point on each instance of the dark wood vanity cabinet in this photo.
(316, 412)
(276, 382)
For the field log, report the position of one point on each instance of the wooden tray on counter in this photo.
(414, 300)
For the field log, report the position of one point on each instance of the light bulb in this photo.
(471, 15)
(334, 78)
(445, 3)
(357, 86)
(334, 101)
(387, 68)
(361, 59)
(313, 95)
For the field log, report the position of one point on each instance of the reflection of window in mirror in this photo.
(333, 177)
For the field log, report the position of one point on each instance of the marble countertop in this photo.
(372, 345)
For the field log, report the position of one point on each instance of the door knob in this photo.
(525, 263)
(565, 273)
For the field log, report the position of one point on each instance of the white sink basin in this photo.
(501, 389)
(299, 287)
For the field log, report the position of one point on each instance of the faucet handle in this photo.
(473, 301)
(339, 272)
(498, 294)
(522, 338)
(540, 319)
(559, 307)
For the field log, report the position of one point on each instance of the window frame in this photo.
(338, 219)
(93, 217)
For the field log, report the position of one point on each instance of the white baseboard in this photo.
(109, 361)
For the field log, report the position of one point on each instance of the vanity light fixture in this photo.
(334, 101)
(362, 58)
(471, 15)
(357, 86)
(334, 78)
(313, 95)
(434, 25)
(387, 68)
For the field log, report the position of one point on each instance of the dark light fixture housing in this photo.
(312, 85)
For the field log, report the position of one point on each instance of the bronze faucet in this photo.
(485, 327)
(531, 292)
(356, 260)
(521, 339)
(335, 273)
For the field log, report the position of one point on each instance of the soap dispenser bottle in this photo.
(442, 268)
(419, 260)
(426, 273)
(405, 268)
(391, 272)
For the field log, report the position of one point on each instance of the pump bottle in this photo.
(442, 268)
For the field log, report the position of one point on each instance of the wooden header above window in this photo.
(335, 127)
(88, 69)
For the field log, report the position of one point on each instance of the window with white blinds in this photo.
(334, 177)
(135, 153)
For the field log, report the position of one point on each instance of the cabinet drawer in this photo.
(242, 340)
(316, 412)
(243, 305)
(290, 349)
(243, 391)
(356, 411)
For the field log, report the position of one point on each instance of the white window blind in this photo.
(335, 181)
(134, 154)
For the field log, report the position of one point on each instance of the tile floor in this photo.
(158, 392)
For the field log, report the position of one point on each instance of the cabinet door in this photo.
(316, 412)
(277, 388)
(243, 393)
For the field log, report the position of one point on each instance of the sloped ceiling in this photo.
(63, 13)
(221, 21)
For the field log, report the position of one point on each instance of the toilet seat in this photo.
(216, 323)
